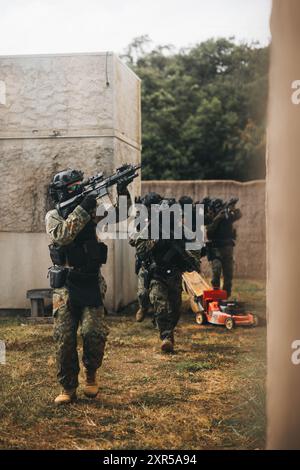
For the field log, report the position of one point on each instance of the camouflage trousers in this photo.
(222, 263)
(165, 297)
(142, 291)
(94, 331)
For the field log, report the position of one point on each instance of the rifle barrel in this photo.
(99, 183)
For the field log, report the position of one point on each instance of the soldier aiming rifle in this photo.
(78, 286)
(221, 236)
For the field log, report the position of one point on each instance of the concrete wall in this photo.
(75, 110)
(250, 252)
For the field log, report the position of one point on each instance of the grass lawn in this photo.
(209, 395)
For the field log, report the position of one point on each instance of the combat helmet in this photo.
(151, 198)
(185, 200)
(217, 204)
(66, 184)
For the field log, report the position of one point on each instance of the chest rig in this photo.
(77, 266)
(84, 253)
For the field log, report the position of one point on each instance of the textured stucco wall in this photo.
(127, 103)
(63, 92)
(92, 100)
(250, 252)
(74, 110)
(27, 166)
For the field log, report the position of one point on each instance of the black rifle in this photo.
(177, 248)
(98, 185)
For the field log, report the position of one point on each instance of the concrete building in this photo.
(58, 111)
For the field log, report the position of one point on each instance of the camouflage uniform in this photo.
(221, 236)
(94, 329)
(142, 291)
(165, 296)
(164, 293)
(222, 262)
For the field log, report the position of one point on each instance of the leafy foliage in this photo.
(203, 109)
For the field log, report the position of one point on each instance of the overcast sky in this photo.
(50, 26)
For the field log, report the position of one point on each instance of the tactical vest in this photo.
(85, 253)
(83, 256)
(165, 258)
(224, 234)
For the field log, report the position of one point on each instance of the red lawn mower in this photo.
(212, 305)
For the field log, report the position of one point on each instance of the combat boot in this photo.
(65, 397)
(140, 315)
(91, 386)
(167, 345)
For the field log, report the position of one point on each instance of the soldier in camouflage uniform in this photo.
(221, 241)
(79, 287)
(164, 262)
(143, 291)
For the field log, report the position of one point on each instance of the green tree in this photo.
(203, 109)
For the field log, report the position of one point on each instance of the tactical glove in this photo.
(89, 203)
(122, 186)
(234, 215)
